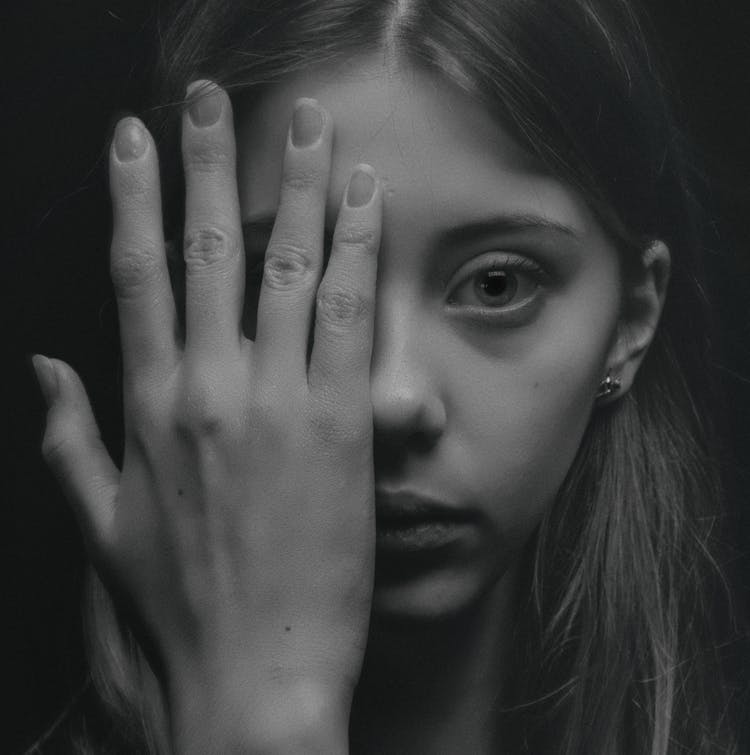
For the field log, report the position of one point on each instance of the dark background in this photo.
(73, 68)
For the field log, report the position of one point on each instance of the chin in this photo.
(403, 596)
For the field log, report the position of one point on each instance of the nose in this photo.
(408, 411)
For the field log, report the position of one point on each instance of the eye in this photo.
(495, 288)
(496, 281)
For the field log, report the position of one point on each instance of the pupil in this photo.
(494, 284)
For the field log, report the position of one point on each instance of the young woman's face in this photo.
(497, 307)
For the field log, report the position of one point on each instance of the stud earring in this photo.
(608, 386)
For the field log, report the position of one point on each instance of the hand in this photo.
(240, 531)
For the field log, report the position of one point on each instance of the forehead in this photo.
(439, 152)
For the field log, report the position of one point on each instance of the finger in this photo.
(214, 257)
(73, 449)
(345, 304)
(294, 257)
(148, 320)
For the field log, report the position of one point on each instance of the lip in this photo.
(408, 521)
(409, 505)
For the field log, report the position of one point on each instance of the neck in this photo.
(435, 686)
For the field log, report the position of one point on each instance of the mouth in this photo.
(410, 522)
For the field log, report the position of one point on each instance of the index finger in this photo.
(345, 307)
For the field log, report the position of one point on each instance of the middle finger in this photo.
(294, 257)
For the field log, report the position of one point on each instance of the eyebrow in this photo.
(506, 223)
(475, 230)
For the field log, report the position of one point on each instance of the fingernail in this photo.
(130, 140)
(47, 378)
(361, 187)
(206, 108)
(307, 124)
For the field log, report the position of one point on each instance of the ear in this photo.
(642, 306)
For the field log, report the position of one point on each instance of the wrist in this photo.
(298, 719)
(301, 719)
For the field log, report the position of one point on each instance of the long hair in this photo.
(622, 638)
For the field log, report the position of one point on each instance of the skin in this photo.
(481, 407)
(496, 400)
(246, 500)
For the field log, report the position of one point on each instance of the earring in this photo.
(608, 386)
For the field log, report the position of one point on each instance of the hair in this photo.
(626, 639)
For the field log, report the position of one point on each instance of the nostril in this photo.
(393, 448)
(422, 442)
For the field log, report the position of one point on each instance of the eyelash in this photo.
(503, 262)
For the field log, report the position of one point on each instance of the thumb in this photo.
(73, 449)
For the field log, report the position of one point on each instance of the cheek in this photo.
(521, 431)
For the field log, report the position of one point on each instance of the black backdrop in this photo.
(73, 67)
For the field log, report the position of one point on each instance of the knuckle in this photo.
(207, 156)
(133, 184)
(208, 246)
(132, 266)
(199, 423)
(356, 237)
(203, 414)
(56, 447)
(299, 179)
(338, 306)
(287, 265)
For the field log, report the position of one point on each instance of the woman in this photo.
(471, 508)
